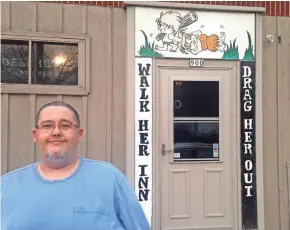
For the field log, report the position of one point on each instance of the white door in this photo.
(198, 131)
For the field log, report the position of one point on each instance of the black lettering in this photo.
(143, 194)
(144, 181)
(143, 125)
(142, 69)
(143, 97)
(143, 170)
(143, 138)
(144, 81)
(143, 150)
(143, 106)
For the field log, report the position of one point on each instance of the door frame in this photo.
(130, 96)
(234, 67)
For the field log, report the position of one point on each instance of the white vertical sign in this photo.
(143, 133)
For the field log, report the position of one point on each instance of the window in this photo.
(54, 63)
(14, 61)
(31, 61)
(196, 120)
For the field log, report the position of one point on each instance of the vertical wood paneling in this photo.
(81, 63)
(20, 137)
(109, 85)
(4, 132)
(283, 29)
(288, 179)
(59, 97)
(84, 19)
(84, 125)
(32, 98)
(118, 88)
(97, 109)
(88, 64)
(5, 15)
(72, 19)
(49, 17)
(130, 98)
(270, 121)
(34, 16)
(23, 16)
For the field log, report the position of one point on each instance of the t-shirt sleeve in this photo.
(128, 208)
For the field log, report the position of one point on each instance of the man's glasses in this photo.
(64, 126)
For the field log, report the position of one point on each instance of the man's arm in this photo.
(129, 210)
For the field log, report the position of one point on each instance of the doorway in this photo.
(197, 156)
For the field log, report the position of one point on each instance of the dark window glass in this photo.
(54, 63)
(195, 140)
(196, 99)
(14, 61)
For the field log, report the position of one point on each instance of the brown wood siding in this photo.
(276, 123)
(283, 64)
(270, 126)
(102, 112)
(273, 8)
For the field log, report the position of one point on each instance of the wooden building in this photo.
(191, 101)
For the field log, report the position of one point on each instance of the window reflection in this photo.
(54, 63)
(196, 99)
(14, 61)
(195, 140)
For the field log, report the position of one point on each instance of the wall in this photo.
(102, 112)
(276, 96)
(273, 8)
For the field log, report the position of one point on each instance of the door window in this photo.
(196, 120)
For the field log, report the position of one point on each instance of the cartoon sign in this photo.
(192, 34)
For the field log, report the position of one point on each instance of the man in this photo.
(64, 191)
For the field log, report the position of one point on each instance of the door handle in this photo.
(163, 150)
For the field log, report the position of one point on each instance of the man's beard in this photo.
(57, 159)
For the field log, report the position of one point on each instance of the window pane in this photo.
(195, 140)
(54, 63)
(14, 61)
(196, 99)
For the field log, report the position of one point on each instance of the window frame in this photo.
(83, 87)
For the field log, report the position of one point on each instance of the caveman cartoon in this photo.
(170, 25)
(196, 42)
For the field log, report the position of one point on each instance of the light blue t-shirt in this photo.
(97, 196)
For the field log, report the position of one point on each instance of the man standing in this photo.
(64, 191)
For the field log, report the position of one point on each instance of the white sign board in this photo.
(178, 33)
(143, 133)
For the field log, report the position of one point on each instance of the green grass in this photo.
(147, 50)
(249, 56)
(232, 51)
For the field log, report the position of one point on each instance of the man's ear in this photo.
(34, 135)
(81, 133)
